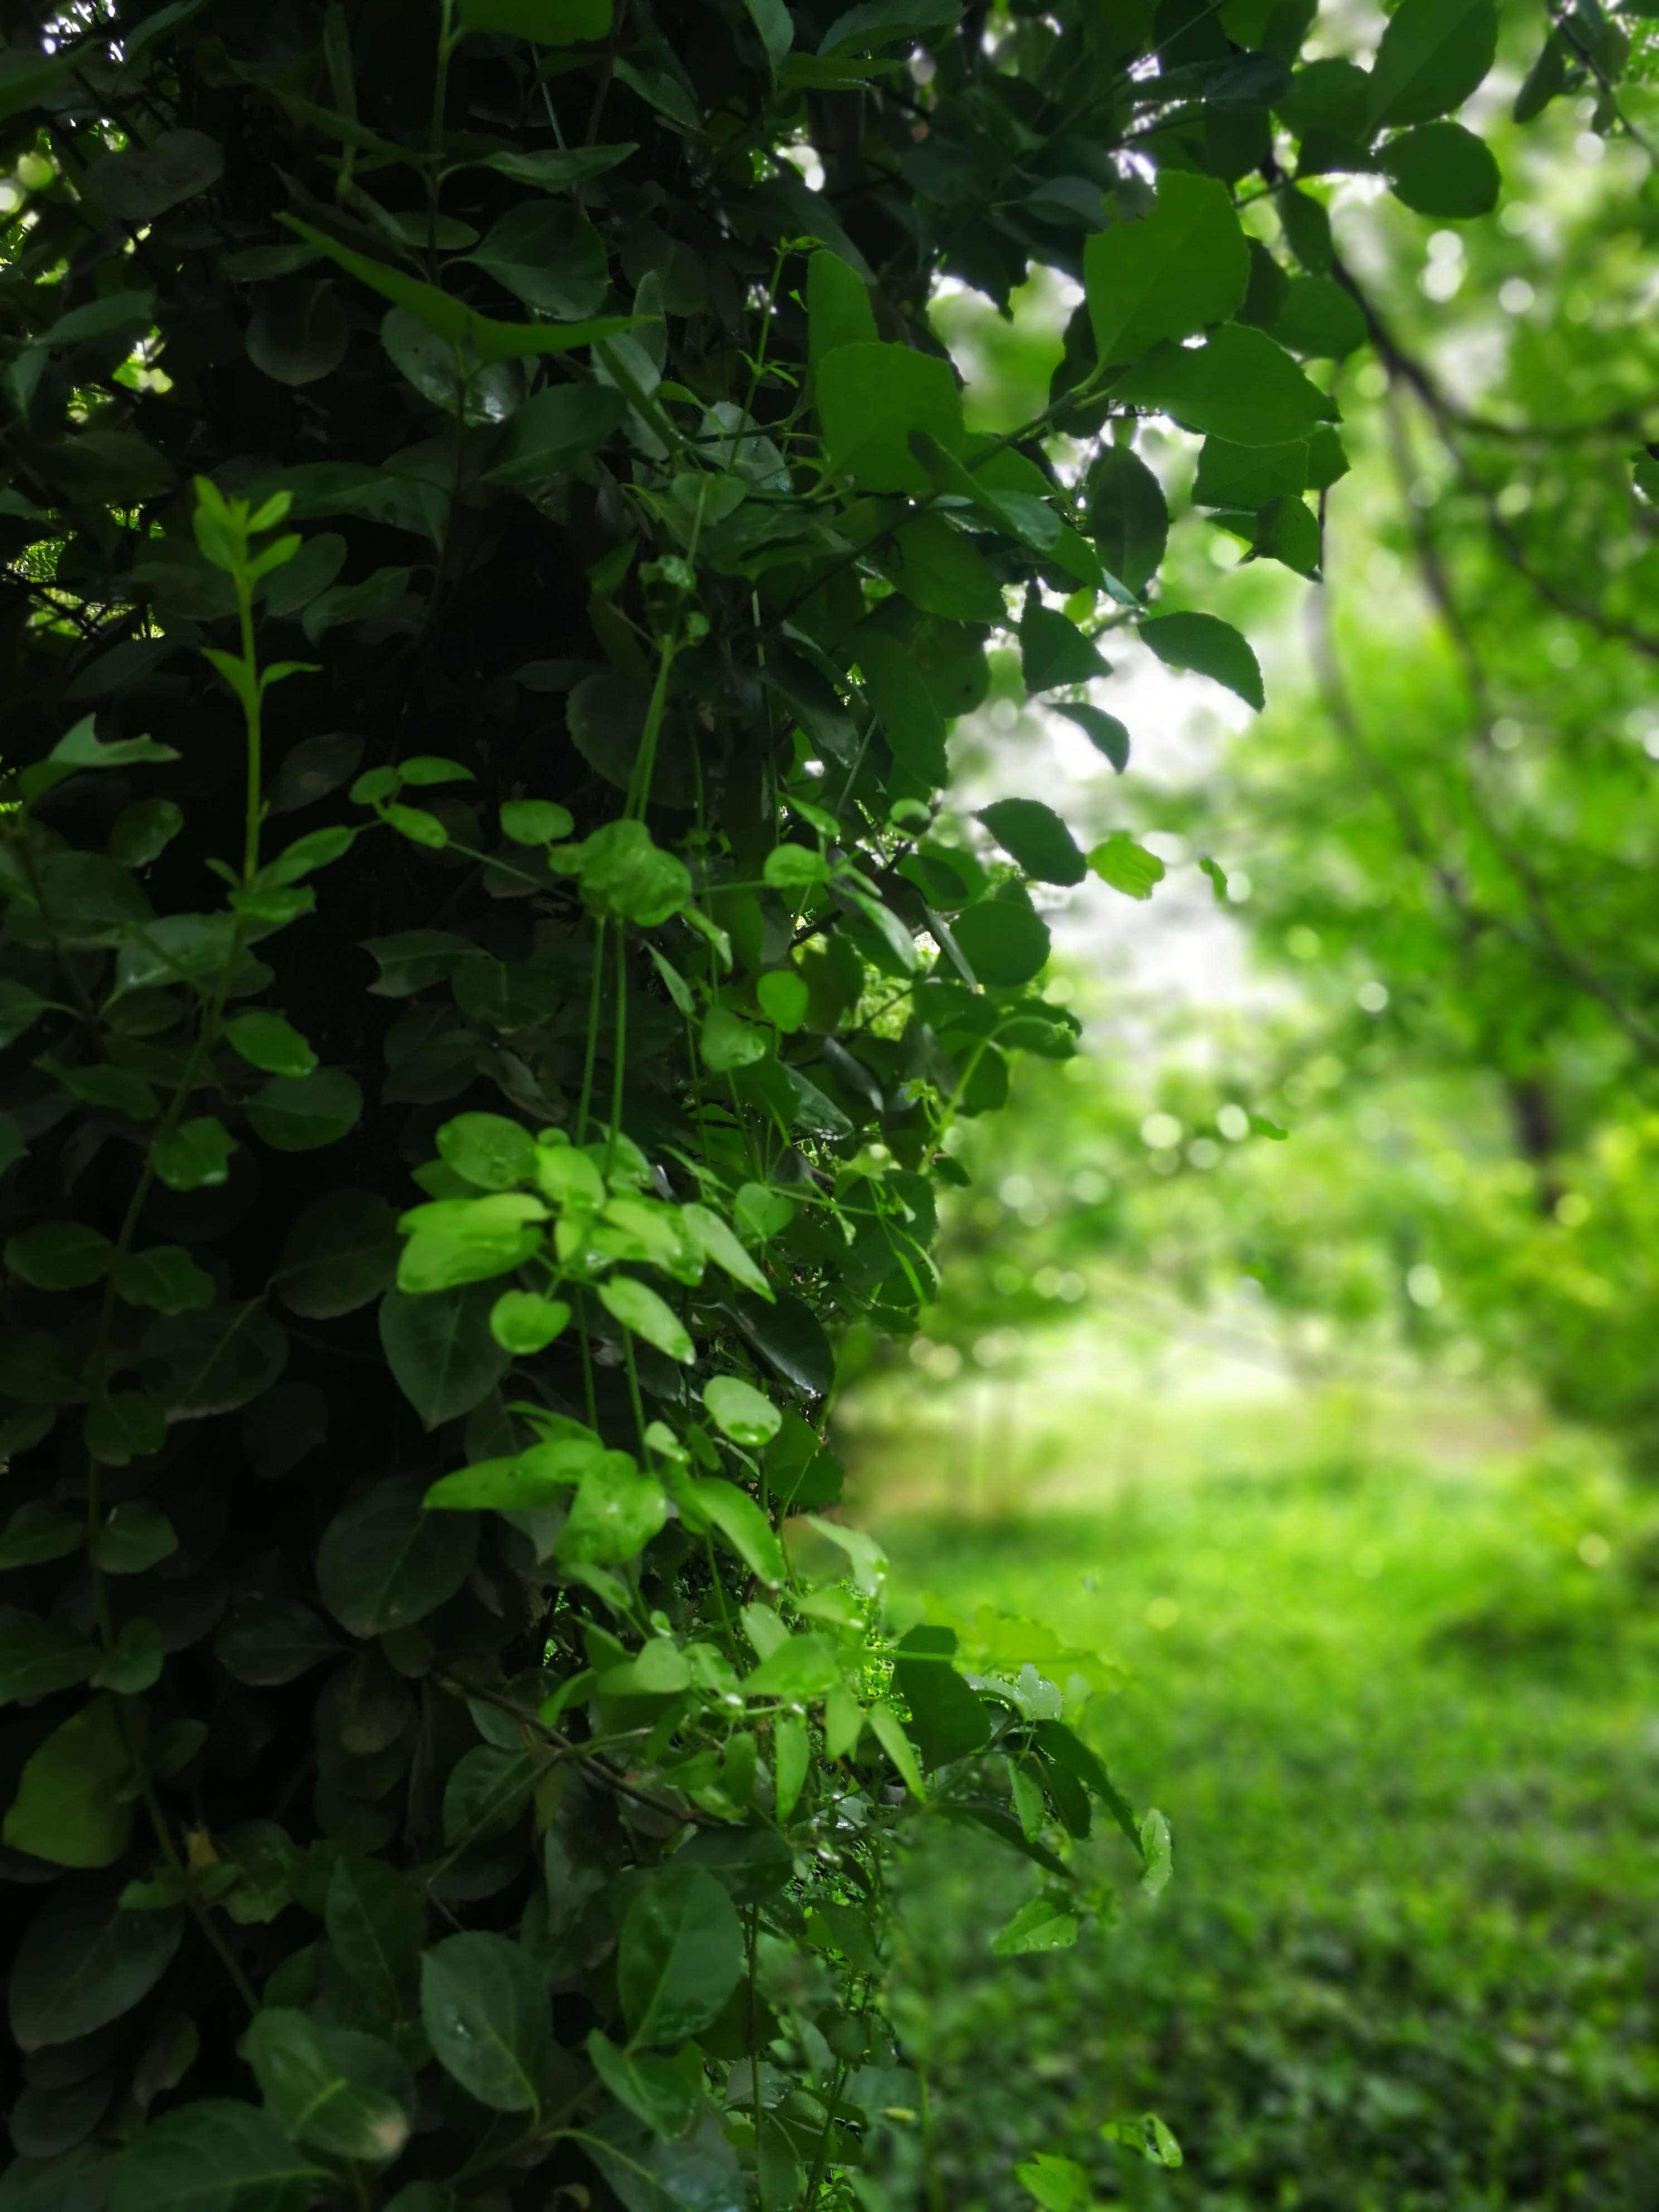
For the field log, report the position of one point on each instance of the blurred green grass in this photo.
(1397, 1699)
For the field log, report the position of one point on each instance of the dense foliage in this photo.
(488, 975)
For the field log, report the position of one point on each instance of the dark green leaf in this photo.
(680, 1956)
(550, 255)
(1441, 169)
(216, 2156)
(442, 1351)
(947, 1721)
(1005, 942)
(489, 2018)
(376, 1928)
(1128, 517)
(197, 1363)
(789, 1337)
(1104, 732)
(838, 307)
(309, 2084)
(270, 1640)
(1287, 530)
(1053, 650)
(341, 1252)
(940, 569)
(1036, 838)
(1432, 55)
(1209, 645)
(384, 1562)
(298, 332)
(83, 1962)
(298, 1113)
(904, 705)
(1248, 476)
(143, 181)
(546, 22)
(59, 1255)
(38, 1656)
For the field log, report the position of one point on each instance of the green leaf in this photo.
(728, 1042)
(546, 22)
(536, 821)
(298, 332)
(133, 1663)
(1431, 56)
(802, 1667)
(142, 182)
(1005, 942)
(904, 705)
(622, 871)
(196, 1156)
(1210, 646)
(1156, 1848)
(639, 1308)
(947, 1721)
(137, 1536)
(1287, 530)
(341, 1252)
(165, 1279)
(1182, 267)
(1441, 169)
(300, 1114)
(1128, 517)
(740, 1412)
(59, 1255)
(265, 1041)
(213, 1361)
(1239, 385)
(84, 1962)
(488, 1150)
(940, 569)
(488, 2019)
(660, 2091)
(528, 1479)
(791, 1762)
(216, 2156)
(308, 2082)
(1104, 731)
(1250, 475)
(38, 1656)
(384, 1563)
(615, 1513)
(890, 1734)
(487, 340)
(1127, 867)
(871, 399)
(523, 1322)
(838, 310)
(265, 1642)
(680, 1957)
(1147, 2134)
(1036, 838)
(39, 1531)
(1053, 650)
(73, 1805)
(788, 1335)
(1321, 320)
(784, 996)
(1045, 1923)
(552, 431)
(441, 1351)
(721, 1244)
(375, 1928)
(744, 1526)
(548, 255)
(1059, 2185)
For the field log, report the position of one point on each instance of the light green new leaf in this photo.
(1045, 1923)
(617, 1512)
(639, 1308)
(741, 1411)
(1127, 867)
(721, 1244)
(310, 2085)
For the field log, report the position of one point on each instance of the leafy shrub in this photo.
(493, 558)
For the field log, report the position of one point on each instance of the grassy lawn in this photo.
(1398, 1705)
